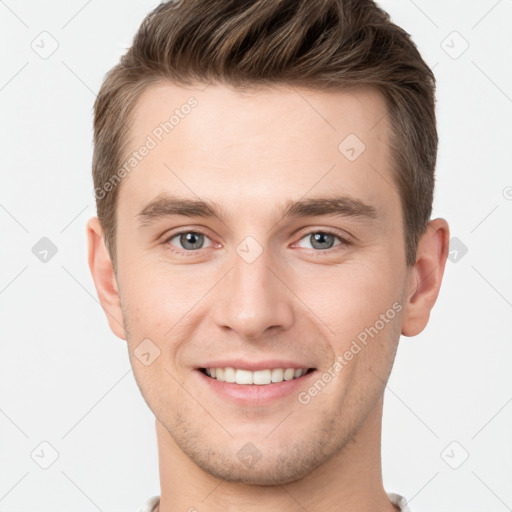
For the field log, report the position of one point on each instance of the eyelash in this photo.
(343, 241)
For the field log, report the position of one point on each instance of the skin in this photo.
(251, 152)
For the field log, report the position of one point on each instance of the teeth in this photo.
(260, 377)
(229, 374)
(243, 377)
(277, 375)
(289, 374)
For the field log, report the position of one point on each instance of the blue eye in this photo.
(189, 240)
(324, 240)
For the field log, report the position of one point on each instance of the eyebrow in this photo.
(166, 205)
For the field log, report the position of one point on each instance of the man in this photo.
(264, 174)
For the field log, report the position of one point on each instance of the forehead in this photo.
(217, 142)
(258, 113)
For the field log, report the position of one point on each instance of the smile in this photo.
(259, 377)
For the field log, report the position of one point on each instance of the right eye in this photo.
(189, 241)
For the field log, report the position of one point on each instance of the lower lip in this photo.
(256, 394)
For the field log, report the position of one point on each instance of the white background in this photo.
(65, 379)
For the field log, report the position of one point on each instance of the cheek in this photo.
(363, 311)
(353, 296)
(154, 298)
(159, 306)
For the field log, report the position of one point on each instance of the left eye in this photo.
(323, 240)
(189, 240)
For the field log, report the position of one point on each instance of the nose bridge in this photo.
(253, 299)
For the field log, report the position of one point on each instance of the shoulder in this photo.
(150, 505)
(399, 501)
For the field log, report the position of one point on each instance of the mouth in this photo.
(257, 387)
(265, 377)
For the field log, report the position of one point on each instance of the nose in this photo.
(254, 300)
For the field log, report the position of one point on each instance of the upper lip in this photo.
(255, 365)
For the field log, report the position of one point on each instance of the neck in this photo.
(350, 480)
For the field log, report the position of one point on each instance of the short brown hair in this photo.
(321, 44)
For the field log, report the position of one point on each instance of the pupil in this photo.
(320, 238)
(191, 238)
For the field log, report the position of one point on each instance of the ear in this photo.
(425, 277)
(104, 277)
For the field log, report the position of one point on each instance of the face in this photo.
(296, 260)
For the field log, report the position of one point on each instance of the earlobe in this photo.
(426, 276)
(104, 277)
